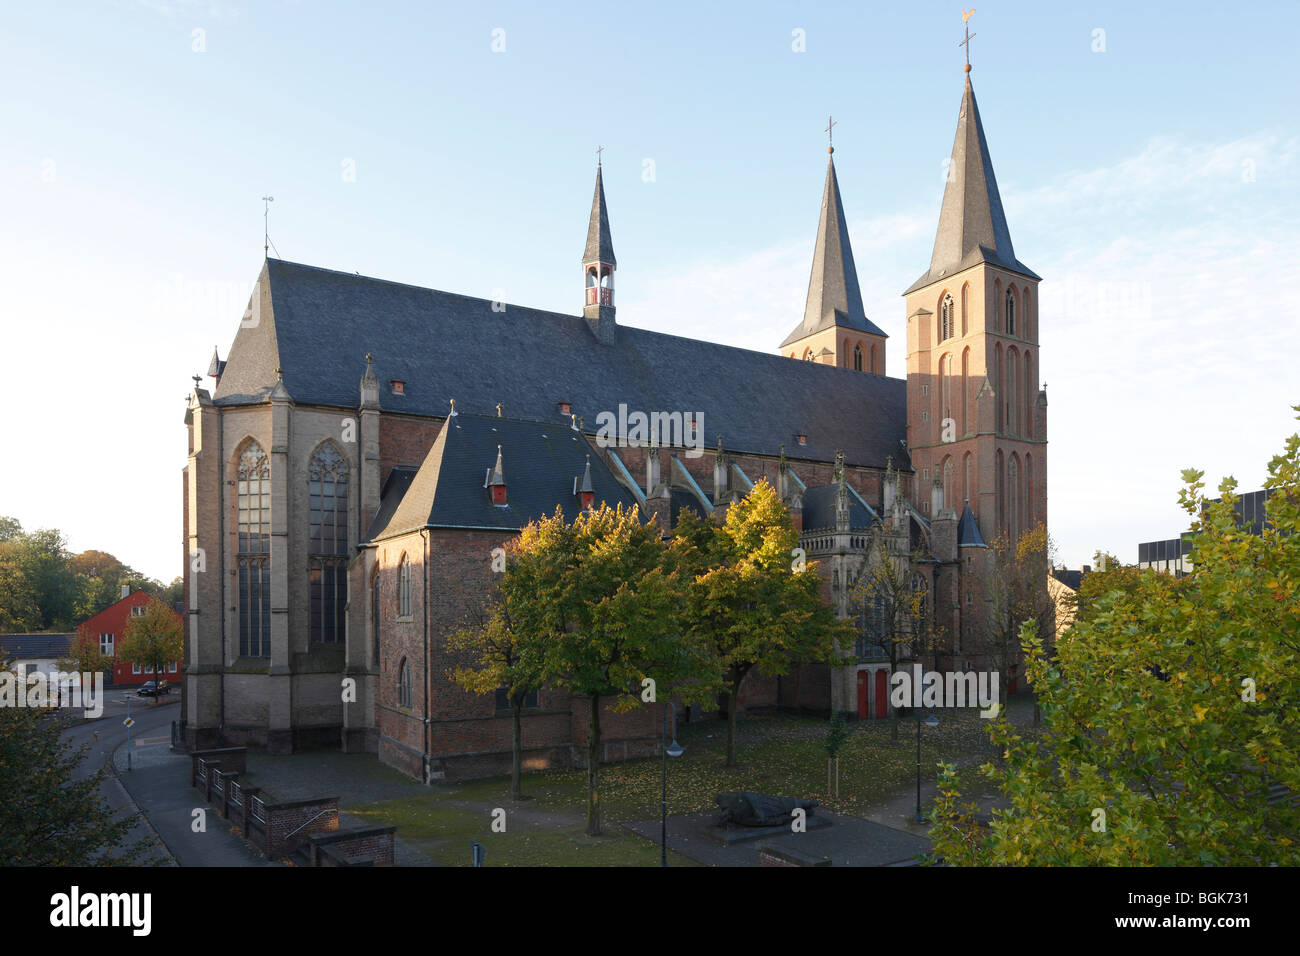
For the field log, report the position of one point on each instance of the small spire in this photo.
(573, 422)
(498, 411)
(498, 471)
(370, 370)
(453, 408)
(586, 478)
(600, 247)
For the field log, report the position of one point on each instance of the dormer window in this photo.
(801, 439)
(565, 408)
(497, 481)
(399, 388)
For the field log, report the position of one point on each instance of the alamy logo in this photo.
(953, 689)
(75, 909)
(56, 689)
(683, 429)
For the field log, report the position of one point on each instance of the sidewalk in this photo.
(159, 784)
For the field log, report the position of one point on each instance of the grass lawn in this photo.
(779, 754)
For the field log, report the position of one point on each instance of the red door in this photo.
(862, 695)
(882, 693)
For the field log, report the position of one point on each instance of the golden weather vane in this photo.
(965, 18)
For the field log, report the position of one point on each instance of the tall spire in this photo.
(834, 297)
(600, 247)
(972, 225)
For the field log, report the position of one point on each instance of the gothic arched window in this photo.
(327, 561)
(253, 551)
(945, 319)
(404, 588)
(1011, 312)
(857, 357)
(404, 685)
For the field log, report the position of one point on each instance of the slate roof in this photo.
(541, 461)
(968, 530)
(972, 225)
(21, 647)
(834, 297)
(320, 324)
(600, 245)
(819, 509)
(395, 487)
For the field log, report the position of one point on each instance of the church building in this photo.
(368, 446)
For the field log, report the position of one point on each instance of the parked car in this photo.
(153, 689)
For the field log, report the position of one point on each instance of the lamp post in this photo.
(670, 750)
(931, 721)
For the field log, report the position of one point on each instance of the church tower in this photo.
(976, 417)
(835, 329)
(598, 265)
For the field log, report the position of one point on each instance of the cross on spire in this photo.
(599, 150)
(965, 18)
(830, 134)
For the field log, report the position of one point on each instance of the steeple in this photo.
(834, 297)
(835, 329)
(598, 265)
(972, 225)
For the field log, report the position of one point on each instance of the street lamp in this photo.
(670, 750)
(931, 721)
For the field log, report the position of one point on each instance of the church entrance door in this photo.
(862, 695)
(882, 693)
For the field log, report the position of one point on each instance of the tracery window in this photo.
(253, 551)
(327, 488)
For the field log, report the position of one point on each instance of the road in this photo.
(106, 734)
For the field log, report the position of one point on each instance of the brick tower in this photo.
(977, 419)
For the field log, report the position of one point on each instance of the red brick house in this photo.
(108, 627)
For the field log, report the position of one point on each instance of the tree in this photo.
(610, 613)
(85, 656)
(41, 558)
(1013, 580)
(501, 653)
(10, 528)
(1168, 712)
(890, 600)
(48, 817)
(747, 603)
(153, 639)
(20, 609)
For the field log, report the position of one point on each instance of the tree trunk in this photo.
(731, 723)
(593, 767)
(517, 749)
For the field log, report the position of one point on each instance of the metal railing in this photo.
(258, 809)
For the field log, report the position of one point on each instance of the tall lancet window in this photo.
(327, 491)
(945, 319)
(253, 551)
(1011, 312)
(857, 357)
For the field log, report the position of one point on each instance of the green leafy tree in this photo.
(20, 608)
(499, 652)
(153, 639)
(1170, 725)
(749, 603)
(50, 814)
(10, 528)
(601, 593)
(41, 559)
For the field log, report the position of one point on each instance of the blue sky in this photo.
(1154, 186)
